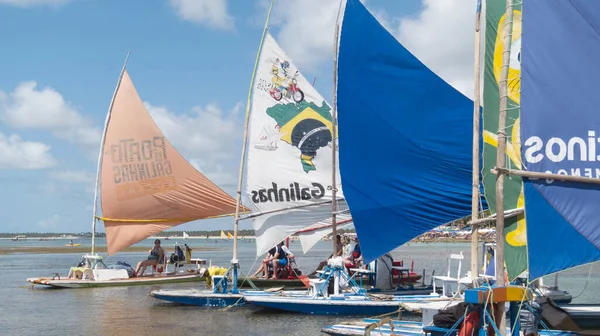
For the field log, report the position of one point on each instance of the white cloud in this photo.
(209, 139)
(46, 109)
(18, 154)
(49, 223)
(80, 176)
(212, 13)
(71, 184)
(34, 3)
(445, 43)
(83, 177)
(306, 30)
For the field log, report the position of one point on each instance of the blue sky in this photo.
(191, 62)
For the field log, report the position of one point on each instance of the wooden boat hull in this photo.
(138, 281)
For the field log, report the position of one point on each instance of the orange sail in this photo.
(146, 185)
(229, 235)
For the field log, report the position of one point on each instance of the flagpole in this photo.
(235, 261)
(112, 102)
(501, 155)
(476, 139)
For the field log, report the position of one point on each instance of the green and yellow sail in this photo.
(515, 253)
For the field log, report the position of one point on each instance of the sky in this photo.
(191, 62)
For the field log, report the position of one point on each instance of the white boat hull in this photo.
(144, 280)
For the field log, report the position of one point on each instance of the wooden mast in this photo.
(234, 260)
(501, 155)
(476, 139)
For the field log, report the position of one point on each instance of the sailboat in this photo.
(223, 235)
(290, 184)
(221, 295)
(185, 235)
(419, 178)
(560, 189)
(559, 166)
(146, 187)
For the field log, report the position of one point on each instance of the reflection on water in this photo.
(130, 311)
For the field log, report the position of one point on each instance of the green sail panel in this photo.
(515, 236)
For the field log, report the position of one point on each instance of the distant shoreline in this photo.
(163, 238)
(81, 249)
(149, 238)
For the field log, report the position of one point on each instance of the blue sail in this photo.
(560, 126)
(405, 138)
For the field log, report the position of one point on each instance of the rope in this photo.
(379, 324)
(521, 304)
(161, 220)
(246, 278)
(399, 312)
(586, 282)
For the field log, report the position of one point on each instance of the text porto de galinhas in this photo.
(292, 192)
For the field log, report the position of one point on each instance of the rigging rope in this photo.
(586, 282)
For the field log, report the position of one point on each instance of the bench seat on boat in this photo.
(83, 273)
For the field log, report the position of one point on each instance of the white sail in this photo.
(289, 154)
(311, 235)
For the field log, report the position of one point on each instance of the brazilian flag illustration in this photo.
(305, 126)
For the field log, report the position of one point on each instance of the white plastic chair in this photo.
(447, 280)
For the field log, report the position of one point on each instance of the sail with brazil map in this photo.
(289, 168)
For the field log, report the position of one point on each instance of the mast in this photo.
(234, 261)
(501, 155)
(112, 101)
(334, 132)
(476, 137)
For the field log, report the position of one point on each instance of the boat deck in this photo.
(144, 280)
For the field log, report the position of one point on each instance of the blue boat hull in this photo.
(407, 328)
(202, 300)
(329, 309)
(206, 298)
(342, 305)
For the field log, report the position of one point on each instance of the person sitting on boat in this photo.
(347, 250)
(356, 254)
(264, 264)
(279, 259)
(324, 262)
(287, 250)
(276, 257)
(156, 255)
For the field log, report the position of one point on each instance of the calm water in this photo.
(130, 311)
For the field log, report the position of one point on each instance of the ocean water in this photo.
(130, 311)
